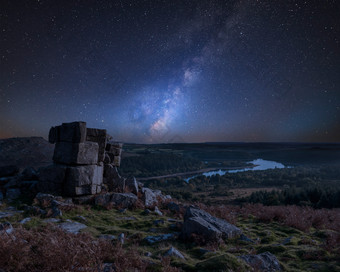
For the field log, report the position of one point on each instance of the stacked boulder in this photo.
(79, 156)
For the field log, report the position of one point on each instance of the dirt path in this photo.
(192, 172)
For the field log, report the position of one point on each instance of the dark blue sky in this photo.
(172, 71)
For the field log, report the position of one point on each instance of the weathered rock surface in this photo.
(201, 223)
(83, 180)
(131, 185)
(99, 136)
(173, 252)
(123, 200)
(74, 132)
(160, 238)
(113, 180)
(149, 198)
(72, 226)
(266, 262)
(76, 153)
(6, 227)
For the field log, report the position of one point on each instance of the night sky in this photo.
(172, 71)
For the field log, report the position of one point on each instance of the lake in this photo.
(259, 165)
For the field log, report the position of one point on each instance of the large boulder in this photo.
(76, 153)
(266, 262)
(201, 223)
(131, 185)
(99, 136)
(149, 197)
(125, 200)
(83, 180)
(122, 200)
(113, 180)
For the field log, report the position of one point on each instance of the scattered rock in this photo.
(122, 210)
(264, 262)
(199, 222)
(157, 211)
(121, 238)
(126, 218)
(146, 212)
(83, 200)
(131, 185)
(82, 218)
(71, 226)
(51, 220)
(25, 220)
(148, 254)
(113, 180)
(6, 227)
(149, 198)
(34, 210)
(246, 239)
(6, 214)
(126, 200)
(160, 238)
(108, 237)
(173, 252)
(158, 222)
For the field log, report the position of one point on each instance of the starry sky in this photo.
(172, 71)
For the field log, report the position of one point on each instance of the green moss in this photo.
(274, 249)
(223, 262)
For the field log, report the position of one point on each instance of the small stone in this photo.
(72, 227)
(146, 212)
(157, 211)
(121, 238)
(264, 262)
(173, 252)
(158, 222)
(160, 238)
(51, 220)
(25, 220)
(108, 237)
(6, 227)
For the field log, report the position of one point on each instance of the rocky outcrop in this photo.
(266, 262)
(199, 222)
(79, 156)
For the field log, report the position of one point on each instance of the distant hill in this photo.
(26, 151)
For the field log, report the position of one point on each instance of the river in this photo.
(259, 165)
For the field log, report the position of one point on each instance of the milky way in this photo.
(172, 71)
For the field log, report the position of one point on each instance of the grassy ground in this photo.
(297, 250)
